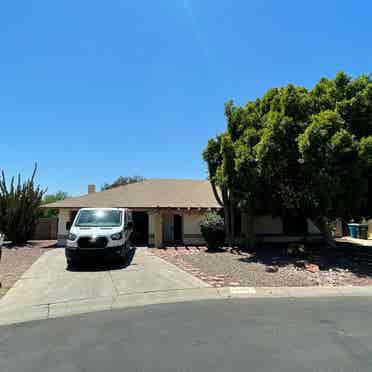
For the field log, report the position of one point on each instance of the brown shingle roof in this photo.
(151, 193)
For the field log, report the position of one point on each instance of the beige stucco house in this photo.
(167, 212)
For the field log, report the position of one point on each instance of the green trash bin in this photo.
(363, 231)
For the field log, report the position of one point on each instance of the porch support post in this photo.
(63, 218)
(158, 230)
(338, 233)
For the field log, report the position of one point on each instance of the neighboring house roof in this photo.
(151, 193)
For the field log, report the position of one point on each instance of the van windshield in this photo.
(99, 218)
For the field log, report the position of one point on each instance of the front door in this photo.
(172, 228)
(177, 227)
(167, 227)
(140, 234)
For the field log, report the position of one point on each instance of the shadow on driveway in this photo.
(99, 264)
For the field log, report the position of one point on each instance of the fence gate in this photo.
(46, 229)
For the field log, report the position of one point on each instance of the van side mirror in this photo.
(130, 225)
(68, 225)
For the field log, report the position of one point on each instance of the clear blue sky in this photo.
(91, 90)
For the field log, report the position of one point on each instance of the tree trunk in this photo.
(321, 224)
(250, 230)
(232, 224)
(226, 215)
(1, 249)
(227, 224)
(216, 195)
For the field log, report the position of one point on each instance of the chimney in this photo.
(91, 189)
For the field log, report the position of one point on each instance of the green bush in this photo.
(296, 250)
(213, 230)
(19, 208)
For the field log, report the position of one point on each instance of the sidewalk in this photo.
(355, 241)
(17, 314)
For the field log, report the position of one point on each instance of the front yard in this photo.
(16, 260)
(267, 267)
(263, 267)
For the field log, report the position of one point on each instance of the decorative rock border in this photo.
(216, 281)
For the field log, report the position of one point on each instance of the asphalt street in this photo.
(328, 334)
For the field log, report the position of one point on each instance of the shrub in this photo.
(213, 230)
(19, 208)
(296, 250)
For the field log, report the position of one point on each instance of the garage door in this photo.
(140, 234)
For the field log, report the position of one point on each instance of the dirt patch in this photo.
(16, 260)
(264, 268)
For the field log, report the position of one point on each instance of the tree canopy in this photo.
(51, 198)
(298, 152)
(121, 181)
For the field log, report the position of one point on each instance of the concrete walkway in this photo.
(49, 290)
(355, 241)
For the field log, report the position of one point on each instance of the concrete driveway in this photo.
(48, 289)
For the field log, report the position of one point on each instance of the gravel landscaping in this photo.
(265, 267)
(16, 260)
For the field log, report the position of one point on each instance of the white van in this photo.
(102, 232)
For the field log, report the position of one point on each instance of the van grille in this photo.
(100, 242)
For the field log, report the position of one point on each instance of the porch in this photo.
(152, 227)
(174, 228)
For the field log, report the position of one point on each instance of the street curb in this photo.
(12, 315)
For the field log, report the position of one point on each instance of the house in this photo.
(168, 211)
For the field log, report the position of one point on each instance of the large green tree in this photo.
(220, 157)
(232, 168)
(121, 181)
(51, 198)
(298, 152)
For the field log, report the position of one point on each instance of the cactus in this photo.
(19, 208)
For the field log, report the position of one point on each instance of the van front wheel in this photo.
(127, 255)
(71, 263)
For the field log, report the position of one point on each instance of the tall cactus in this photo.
(19, 208)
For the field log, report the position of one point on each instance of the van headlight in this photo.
(71, 237)
(117, 236)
